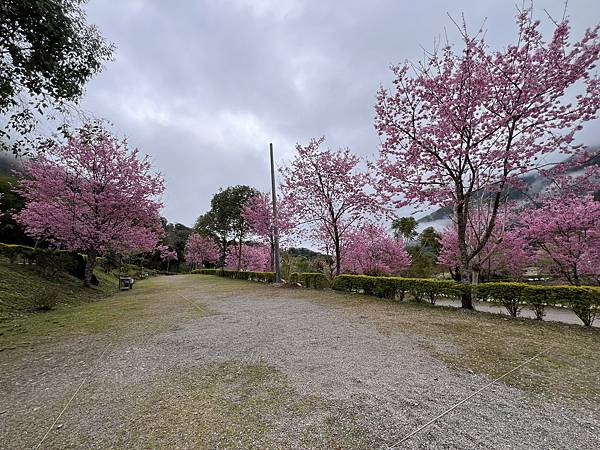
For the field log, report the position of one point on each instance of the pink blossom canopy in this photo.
(92, 195)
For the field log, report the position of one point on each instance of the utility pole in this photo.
(275, 228)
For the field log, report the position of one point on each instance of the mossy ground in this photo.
(80, 309)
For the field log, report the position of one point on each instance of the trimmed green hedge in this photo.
(263, 277)
(205, 271)
(314, 280)
(396, 288)
(509, 295)
(584, 301)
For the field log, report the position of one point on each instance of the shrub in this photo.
(44, 300)
(263, 277)
(314, 280)
(395, 288)
(509, 295)
(584, 301)
(14, 252)
(538, 297)
(50, 260)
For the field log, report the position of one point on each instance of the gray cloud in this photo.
(204, 86)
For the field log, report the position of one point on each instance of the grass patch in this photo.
(23, 286)
(151, 305)
(491, 344)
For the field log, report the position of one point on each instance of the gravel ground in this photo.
(266, 369)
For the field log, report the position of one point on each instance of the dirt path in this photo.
(213, 363)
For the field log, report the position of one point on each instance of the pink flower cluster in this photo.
(92, 196)
(200, 250)
(255, 258)
(371, 250)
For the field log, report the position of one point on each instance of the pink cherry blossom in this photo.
(92, 195)
(564, 225)
(259, 215)
(507, 252)
(254, 258)
(371, 250)
(460, 127)
(200, 250)
(166, 254)
(328, 194)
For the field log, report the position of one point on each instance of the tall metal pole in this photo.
(275, 229)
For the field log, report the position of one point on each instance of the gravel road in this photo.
(266, 369)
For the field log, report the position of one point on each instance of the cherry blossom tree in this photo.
(200, 250)
(92, 195)
(328, 193)
(259, 215)
(166, 254)
(462, 126)
(251, 257)
(371, 250)
(507, 252)
(564, 225)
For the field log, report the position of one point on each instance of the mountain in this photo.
(533, 184)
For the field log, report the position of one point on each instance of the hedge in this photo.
(50, 260)
(306, 279)
(263, 277)
(584, 301)
(395, 288)
(314, 280)
(509, 295)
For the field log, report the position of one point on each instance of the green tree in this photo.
(431, 240)
(48, 53)
(176, 236)
(405, 227)
(225, 221)
(10, 203)
(424, 252)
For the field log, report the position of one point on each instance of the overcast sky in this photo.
(204, 86)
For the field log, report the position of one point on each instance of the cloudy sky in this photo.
(204, 86)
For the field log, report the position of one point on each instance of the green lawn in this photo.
(80, 310)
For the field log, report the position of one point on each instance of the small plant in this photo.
(509, 295)
(44, 300)
(313, 280)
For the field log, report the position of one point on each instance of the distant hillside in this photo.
(534, 184)
(8, 163)
(10, 231)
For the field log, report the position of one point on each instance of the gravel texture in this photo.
(267, 368)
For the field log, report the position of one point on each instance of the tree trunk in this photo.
(89, 267)
(466, 297)
(338, 252)
(223, 253)
(239, 255)
(272, 262)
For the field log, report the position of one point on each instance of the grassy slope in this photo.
(141, 310)
(21, 283)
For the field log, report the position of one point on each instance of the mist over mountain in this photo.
(534, 183)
